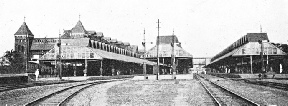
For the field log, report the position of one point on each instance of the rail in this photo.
(250, 102)
(68, 95)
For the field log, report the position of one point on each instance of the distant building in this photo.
(244, 56)
(183, 59)
(83, 52)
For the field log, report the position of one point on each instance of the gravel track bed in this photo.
(260, 94)
(143, 93)
(25, 95)
(94, 95)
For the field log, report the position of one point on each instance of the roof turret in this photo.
(23, 30)
(79, 28)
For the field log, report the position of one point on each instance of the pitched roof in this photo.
(79, 28)
(43, 43)
(167, 39)
(165, 50)
(99, 34)
(255, 37)
(42, 46)
(75, 42)
(98, 55)
(23, 30)
(250, 37)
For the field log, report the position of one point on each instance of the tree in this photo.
(16, 61)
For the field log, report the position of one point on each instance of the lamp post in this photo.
(261, 54)
(173, 58)
(60, 63)
(157, 44)
(144, 57)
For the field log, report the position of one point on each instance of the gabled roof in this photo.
(42, 46)
(255, 37)
(23, 30)
(165, 50)
(133, 48)
(97, 55)
(76, 42)
(79, 28)
(250, 37)
(167, 39)
(99, 34)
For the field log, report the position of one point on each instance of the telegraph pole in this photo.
(144, 56)
(27, 51)
(60, 63)
(173, 57)
(261, 55)
(157, 52)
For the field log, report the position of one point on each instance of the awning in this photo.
(79, 52)
(119, 57)
(225, 56)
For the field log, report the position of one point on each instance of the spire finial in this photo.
(79, 17)
(260, 28)
(24, 18)
(173, 31)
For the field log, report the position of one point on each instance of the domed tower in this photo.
(22, 36)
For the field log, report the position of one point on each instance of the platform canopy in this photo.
(248, 45)
(165, 50)
(82, 52)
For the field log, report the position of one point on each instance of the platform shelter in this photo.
(170, 46)
(83, 56)
(244, 56)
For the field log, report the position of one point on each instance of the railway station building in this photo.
(252, 53)
(170, 46)
(82, 53)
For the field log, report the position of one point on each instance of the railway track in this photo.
(223, 96)
(8, 87)
(269, 84)
(61, 97)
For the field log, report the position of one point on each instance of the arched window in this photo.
(18, 48)
(22, 48)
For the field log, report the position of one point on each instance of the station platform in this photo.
(248, 76)
(30, 78)
(164, 77)
(82, 78)
(13, 78)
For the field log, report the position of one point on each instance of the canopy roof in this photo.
(80, 52)
(165, 50)
(252, 48)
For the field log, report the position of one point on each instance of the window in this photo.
(243, 51)
(83, 55)
(274, 50)
(91, 55)
(87, 55)
(79, 55)
(257, 51)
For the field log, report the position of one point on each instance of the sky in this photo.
(204, 27)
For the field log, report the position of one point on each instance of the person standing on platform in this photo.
(37, 74)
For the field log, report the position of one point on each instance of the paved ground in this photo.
(144, 92)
